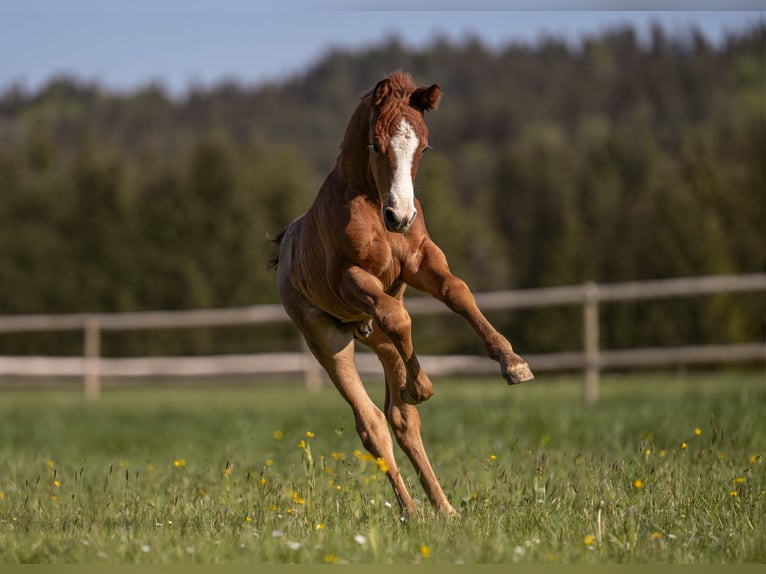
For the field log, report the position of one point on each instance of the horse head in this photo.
(398, 137)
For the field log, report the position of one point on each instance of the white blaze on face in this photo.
(404, 144)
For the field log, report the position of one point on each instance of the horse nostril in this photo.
(390, 218)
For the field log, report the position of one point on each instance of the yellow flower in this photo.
(655, 536)
(302, 444)
(202, 493)
(278, 434)
(684, 445)
(382, 466)
(297, 498)
(425, 551)
(589, 540)
(338, 487)
(263, 481)
(492, 457)
(648, 451)
(733, 493)
(740, 480)
(56, 483)
(310, 434)
(330, 559)
(2, 495)
(53, 497)
(319, 526)
(697, 431)
(638, 483)
(753, 458)
(661, 454)
(269, 462)
(227, 472)
(179, 463)
(50, 464)
(338, 455)
(248, 519)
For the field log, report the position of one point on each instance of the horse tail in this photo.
(277, 241)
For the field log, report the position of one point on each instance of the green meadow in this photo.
(667, 468)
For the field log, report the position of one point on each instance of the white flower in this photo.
(277, 533)
(145, 548)
(293, 544)
(359, 539)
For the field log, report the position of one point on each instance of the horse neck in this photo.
(353, 167)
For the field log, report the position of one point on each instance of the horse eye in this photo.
(375, 147)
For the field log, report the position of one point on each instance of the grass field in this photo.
(667, 468)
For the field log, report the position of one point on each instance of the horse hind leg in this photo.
(405, 420)
(370, 421)
(333, 345)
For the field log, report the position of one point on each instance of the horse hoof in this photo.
(406, 397)
(519, 374)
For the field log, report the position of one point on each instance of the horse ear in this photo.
(381, 92)
(425, 99)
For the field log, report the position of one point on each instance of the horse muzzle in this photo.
(396, 224)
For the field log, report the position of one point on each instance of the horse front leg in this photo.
(434, 277)
(365, 292)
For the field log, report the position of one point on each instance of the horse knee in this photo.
(456, 295)
(396, 322)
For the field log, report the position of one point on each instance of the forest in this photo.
(620, 159)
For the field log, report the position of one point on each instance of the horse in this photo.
(343, 266)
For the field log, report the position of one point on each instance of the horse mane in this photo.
(277, 241)
(401, 85)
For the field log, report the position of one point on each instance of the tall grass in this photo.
(667, 468)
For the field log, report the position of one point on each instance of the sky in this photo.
(184, 43)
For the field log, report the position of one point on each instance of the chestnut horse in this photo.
(343, 267)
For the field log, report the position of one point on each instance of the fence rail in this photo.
(92, 367)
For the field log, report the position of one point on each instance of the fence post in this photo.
(92, 370)
(311, 375)
(591, 342)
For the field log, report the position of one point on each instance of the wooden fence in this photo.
(592, 359)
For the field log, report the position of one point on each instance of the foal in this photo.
(343, 267)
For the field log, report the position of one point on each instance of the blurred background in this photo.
(146, 153)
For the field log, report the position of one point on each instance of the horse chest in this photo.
(380, 259)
